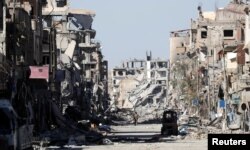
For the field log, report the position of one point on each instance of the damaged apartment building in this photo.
(214, 56)
(52, 69)
(81, 72)
(140, 85)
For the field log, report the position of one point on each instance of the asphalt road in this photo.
(140, 137)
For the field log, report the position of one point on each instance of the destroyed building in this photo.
(80, 59)
(141, 86)
(215, 59)
(178, 44)
(52, 68)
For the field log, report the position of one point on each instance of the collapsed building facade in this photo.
(51, 66)
(214, 54)
(141, 86)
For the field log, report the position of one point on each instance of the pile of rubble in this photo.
(193, 127)
(147, 101)
(139, 88)
(79, 134)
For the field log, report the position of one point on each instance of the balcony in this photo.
(244, 82)
(87, 45)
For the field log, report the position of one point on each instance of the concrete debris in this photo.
(215, 121)
(105, 128)
(52, 73)
(107, 141)
(209, 68)
(140, 87)
(183, 130)
(77, 140)
(54, 80)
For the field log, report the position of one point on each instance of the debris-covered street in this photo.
(143, 137)
(176, 145)
(151, 130)
(70, 79)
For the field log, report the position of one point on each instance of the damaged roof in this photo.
(235, 8)
(82, 12)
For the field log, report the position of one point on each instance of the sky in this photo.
(129, 28)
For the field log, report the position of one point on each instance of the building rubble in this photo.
(209, 68)
(54, 88)
(139, 89)
(53, 75)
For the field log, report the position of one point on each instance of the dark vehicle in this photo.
(169, 123)
(12, 135)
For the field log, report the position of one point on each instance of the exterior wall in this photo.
(215, 37)
(126, 85)
(231, 62)
(2, 33)
(157, 71)
(128, 81)
(148, 70)
(52, 9)
(177, 45)
(227, 18)
(232, 11)
(247, 29)
(116, 79)
(245, 96)
(247, 35)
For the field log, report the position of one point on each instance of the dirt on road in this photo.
(173, 143)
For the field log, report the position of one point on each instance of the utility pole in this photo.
(225, 91)
(208, 99)
(197, 65)
(220, 43)
(213, 80)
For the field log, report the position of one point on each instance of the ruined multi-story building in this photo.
(179, 40)
(218, 49)
(216, 35)
(157, 70)
(50, 65)
(20, 49)
(80, 71)
(131, 67)
(149, 75)
(2, 42)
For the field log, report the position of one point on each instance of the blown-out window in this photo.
(120, 73)
(203, 34)
(228, 33)
(61, 3)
